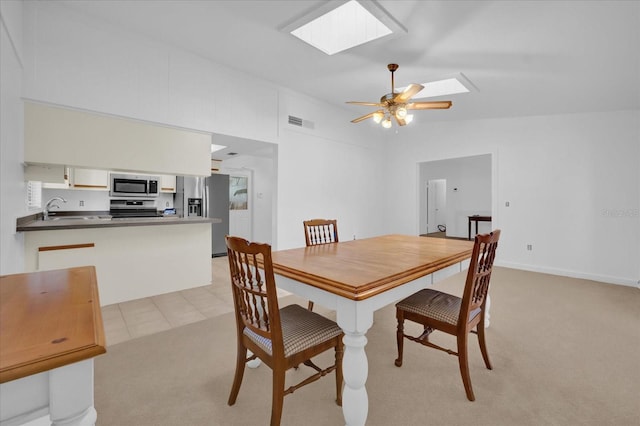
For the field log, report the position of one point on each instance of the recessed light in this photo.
(337, 26)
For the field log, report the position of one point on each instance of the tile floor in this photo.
(128, 320)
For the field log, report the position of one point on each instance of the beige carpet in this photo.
(564, 351)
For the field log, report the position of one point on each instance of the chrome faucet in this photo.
(50, 205)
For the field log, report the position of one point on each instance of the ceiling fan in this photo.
(397, 105)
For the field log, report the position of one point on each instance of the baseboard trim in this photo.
(629, 282)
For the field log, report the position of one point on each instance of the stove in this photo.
(133, 208)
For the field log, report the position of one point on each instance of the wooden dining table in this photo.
(356, 278)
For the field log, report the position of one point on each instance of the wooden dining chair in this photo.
(456, 316)
(320, 231)
(280, 338)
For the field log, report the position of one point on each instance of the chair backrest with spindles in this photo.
(479, 275)
(254, 290)
(320, 231)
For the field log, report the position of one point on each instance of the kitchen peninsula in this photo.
(134, 257)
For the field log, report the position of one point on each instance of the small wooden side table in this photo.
(477, 218)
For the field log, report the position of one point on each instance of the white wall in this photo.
(73, 60)
(572, 182)
(331, 171)
(93, 200)
(12, 186)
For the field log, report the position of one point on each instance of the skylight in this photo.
(334, 29)
(215, 147)
(449, 86)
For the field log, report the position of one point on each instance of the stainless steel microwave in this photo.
(129, 185)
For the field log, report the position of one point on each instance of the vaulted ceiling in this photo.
(523, 57)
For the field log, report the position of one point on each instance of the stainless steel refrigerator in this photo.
(207, 197)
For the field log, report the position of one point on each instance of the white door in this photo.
(240, 204)
(436, 204)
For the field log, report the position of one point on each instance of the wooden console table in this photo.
(477, 218)
(50, 330)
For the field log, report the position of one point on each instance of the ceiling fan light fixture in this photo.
(397, 104)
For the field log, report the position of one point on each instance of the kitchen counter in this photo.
(135, 257)
(81, 220)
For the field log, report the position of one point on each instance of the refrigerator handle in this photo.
(205, 202)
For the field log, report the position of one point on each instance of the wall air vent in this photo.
(295, 121)
(299, 122)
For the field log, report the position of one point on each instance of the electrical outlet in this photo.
(529, 247)
(81, 203)
(506, 204)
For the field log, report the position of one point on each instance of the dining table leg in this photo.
(354, 319)
(487, 314)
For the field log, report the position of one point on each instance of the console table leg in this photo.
(71, 395)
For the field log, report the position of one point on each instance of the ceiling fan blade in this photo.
(407, 93)
(365, 103)
(364, 117)
(429, 105)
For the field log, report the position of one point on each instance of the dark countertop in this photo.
(82, 220)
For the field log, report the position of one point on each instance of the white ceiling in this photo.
(524, 57)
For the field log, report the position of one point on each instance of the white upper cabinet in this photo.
(52, 176)
(56, 135)
(90, 179)
(167, 183)
(215, 166)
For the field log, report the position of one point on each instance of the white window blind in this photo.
(34, 194)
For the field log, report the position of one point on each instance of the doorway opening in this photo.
(436, 211)
(451, 190)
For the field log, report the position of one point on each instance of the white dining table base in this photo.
(355, 318)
